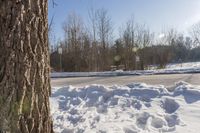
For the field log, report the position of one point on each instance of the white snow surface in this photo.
(134, 108)
(191, 67)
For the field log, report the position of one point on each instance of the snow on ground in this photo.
(188, 65)
(192, 67)
(135, 108)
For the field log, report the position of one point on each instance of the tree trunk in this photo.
(24, 67)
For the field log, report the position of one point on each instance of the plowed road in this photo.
(167, 80)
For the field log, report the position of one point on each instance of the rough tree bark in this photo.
(24, 67)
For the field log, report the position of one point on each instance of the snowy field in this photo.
(134, 108)
(192, 67)
(188, 65)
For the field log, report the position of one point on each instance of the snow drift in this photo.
(191, 67)
(135, 108)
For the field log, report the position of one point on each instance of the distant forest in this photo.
(92, 48)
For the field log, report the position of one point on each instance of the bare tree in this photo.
(24, 67)
(168, 37)
(104, 32)
(93, 21)
(171, 36)
(73, 28)
(136, 38)
(130, 43)
(195, 32)
(94, 48)
(144, 39)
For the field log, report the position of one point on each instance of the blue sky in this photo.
(156, 14)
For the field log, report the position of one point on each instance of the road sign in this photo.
(137, 58)
(60, 50)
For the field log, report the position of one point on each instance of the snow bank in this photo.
(192, 67)
(135, 108)
(97, 74)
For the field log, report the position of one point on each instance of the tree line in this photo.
(93, 47)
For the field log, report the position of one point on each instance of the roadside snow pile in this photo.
(135, 108)
(192, 67)
(84, 74)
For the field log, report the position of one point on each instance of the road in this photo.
(167, 80)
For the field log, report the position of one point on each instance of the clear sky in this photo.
(157, 14)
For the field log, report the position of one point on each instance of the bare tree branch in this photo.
(54, 3)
